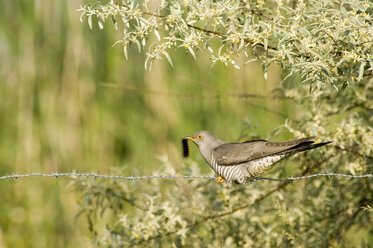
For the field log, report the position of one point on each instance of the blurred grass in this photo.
(56, 114)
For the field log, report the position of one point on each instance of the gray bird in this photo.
(236, 162)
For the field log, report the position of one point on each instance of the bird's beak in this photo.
(190, 138)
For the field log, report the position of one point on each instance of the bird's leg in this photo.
(220, 180)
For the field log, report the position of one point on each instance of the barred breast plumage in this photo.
(240, 172)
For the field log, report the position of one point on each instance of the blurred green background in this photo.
(57, 115)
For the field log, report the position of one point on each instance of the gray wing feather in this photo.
(237, 153)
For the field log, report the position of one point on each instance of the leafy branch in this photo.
(318, 42)
(232, 211)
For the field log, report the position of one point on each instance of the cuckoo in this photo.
(237, 162)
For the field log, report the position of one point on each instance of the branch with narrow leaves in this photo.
(303, 175)
(322, 43)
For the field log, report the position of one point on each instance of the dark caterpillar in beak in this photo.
(185, 147)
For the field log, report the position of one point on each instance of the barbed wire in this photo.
(95, 175)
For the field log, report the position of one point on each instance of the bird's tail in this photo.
(304, 146)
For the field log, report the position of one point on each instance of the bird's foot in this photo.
(220, 180)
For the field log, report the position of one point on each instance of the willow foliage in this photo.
(322, 41)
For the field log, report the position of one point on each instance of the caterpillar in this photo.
(185, 148)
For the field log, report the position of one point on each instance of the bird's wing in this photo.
(237, 153)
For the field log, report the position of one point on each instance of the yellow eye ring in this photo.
(199, 137)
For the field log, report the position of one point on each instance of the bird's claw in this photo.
(220, 180)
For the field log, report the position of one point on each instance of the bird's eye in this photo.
(200, 137)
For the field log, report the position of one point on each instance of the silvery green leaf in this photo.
(335, 87)
(250, 60)
(146, 62)
(325, 71)
(288, 76)
(100, 24)
(234, 63)
(114, 21)
(316, 54)
(265, 72)
(116, 43)
(168, 58)
(220, 49)
(337, 30)
(144, 21)
(125, 52)
(157, 34)
(90, 21)
(192, 52)
(151, 64)
(361, 71)
(289, 56)
(341, 61)
(81, 15)
(246, 24)
(207, 46)
(242, 43)
(132, 5)
(138, 45)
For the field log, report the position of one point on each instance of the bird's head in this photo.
(205, 141)
(201, 138)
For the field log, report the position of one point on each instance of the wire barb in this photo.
(95, 175)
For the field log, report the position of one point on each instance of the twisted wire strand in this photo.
(95, 175)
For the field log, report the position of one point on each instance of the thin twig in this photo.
(246, 6)
(202, 97)
(164, 93)
(272, 111)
